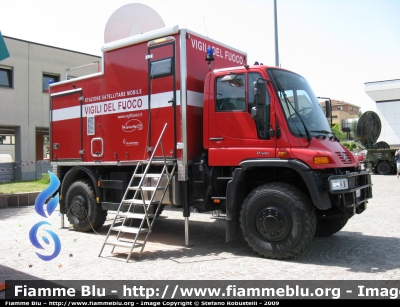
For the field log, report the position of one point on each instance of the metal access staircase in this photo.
(138, 208)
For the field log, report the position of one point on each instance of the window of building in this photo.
(7, 139)
(6, 77)
(47, 79)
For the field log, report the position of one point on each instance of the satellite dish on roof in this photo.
(131, 19)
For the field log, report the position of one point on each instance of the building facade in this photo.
(24, 101)
(386, 95)
(343, 114)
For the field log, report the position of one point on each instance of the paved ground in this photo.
(368, 248)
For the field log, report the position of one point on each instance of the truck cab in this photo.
(273, 163)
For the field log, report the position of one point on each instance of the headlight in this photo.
(339, 184)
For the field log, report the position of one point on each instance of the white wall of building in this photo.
(386, 95)
(24, 106)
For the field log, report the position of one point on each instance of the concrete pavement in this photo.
(367, 248)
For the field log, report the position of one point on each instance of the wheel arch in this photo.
(313, 182)
(75, 173)
(237, 192)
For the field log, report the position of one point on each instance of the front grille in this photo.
(344, 157)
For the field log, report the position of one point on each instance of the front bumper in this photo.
(357, 191)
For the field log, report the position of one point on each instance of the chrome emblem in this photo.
(345, 157)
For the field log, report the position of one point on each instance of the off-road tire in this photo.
(278, 220)
(384, 168)
(82, 211)
(330, 225)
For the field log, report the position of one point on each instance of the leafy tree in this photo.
(350, 145)
(338, 133)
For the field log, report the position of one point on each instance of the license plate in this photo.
(358, 193)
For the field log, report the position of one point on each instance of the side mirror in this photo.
(328, 108)
(257, 114)
(260, 93)
(271, 133)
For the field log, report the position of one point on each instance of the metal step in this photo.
(148, 175)
(139, 201)
(129, 229)
(131, 215)
(145, 188)
(122, 243)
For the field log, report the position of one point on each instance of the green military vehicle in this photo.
(380, 157)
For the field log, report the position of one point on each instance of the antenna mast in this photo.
(276, 36)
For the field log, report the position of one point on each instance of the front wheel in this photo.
(277, 220)
(330, 225)
(82, 211)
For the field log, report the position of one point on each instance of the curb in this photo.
(16, 200)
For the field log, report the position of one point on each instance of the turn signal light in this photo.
(321, 160)
(216, 201)
(282, 154)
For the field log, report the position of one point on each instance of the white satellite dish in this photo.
(131, 19)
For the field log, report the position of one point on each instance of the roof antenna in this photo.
(205, 26)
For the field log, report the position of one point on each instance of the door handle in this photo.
(216, 139)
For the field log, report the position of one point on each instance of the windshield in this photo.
(300, 106)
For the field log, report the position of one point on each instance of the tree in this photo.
(338, 133)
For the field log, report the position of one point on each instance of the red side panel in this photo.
(113, 115)
(66, 127)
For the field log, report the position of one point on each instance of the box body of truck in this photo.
(116, 116)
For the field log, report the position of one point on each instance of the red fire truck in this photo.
(175, 118)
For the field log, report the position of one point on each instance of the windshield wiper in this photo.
(322, 131)
(327, 132)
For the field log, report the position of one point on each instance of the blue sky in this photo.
(338, 45)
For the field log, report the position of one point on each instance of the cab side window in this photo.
(231, 93)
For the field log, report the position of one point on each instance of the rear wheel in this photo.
(278, 220)
(330, 225)
(82, 211)
(384, 168)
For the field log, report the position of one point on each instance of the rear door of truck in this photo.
(162, 95)
(66, 125)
